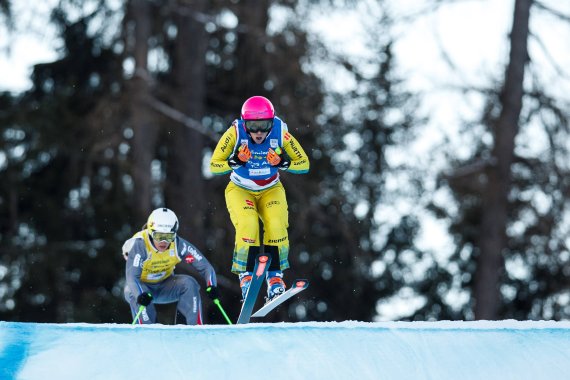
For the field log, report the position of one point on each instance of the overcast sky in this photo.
(456, 28)
(470, 35)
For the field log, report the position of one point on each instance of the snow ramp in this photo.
(346, 350)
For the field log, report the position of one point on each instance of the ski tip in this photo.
(297, 286)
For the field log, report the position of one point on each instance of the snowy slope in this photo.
(394, 350)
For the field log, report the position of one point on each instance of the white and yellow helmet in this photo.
(162, 222)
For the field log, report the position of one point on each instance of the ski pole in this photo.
(141, 308)
(219, 305)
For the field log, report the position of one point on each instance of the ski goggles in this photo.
(163, 236)
(254, 126)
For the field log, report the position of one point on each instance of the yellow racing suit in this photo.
(255, 192)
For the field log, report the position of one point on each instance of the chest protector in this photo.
(158, 265)
(257, 174)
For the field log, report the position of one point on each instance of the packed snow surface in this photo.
(345, 350)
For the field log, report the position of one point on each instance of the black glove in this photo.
(285, 161)
(144, 299)
(235, 162)
(212, 292)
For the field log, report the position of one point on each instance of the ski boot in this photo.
(275, 284)
(244, 282)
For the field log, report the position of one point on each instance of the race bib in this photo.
(155, 276)
(258, 172)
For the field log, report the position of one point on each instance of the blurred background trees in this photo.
(126, 118)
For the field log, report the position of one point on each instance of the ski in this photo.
(262, 262)
(298, 286)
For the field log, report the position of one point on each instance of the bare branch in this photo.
(554, 12)
(429, 7)
(444, 54)
(205, 18)
(549, 57)
(180, 117)
(475, 167)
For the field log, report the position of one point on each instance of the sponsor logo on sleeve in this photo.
(296, 150)
(225, 144)
(137, 260)
(194, 253)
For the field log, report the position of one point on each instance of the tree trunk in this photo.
(185, 188)
(252, 59)
(143, 123)
(495, 197)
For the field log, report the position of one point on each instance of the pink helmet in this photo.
(257, 108)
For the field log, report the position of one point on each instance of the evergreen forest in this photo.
(126, 118)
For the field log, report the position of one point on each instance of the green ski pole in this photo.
(141, 308)
(217, 302)
(219, 305)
